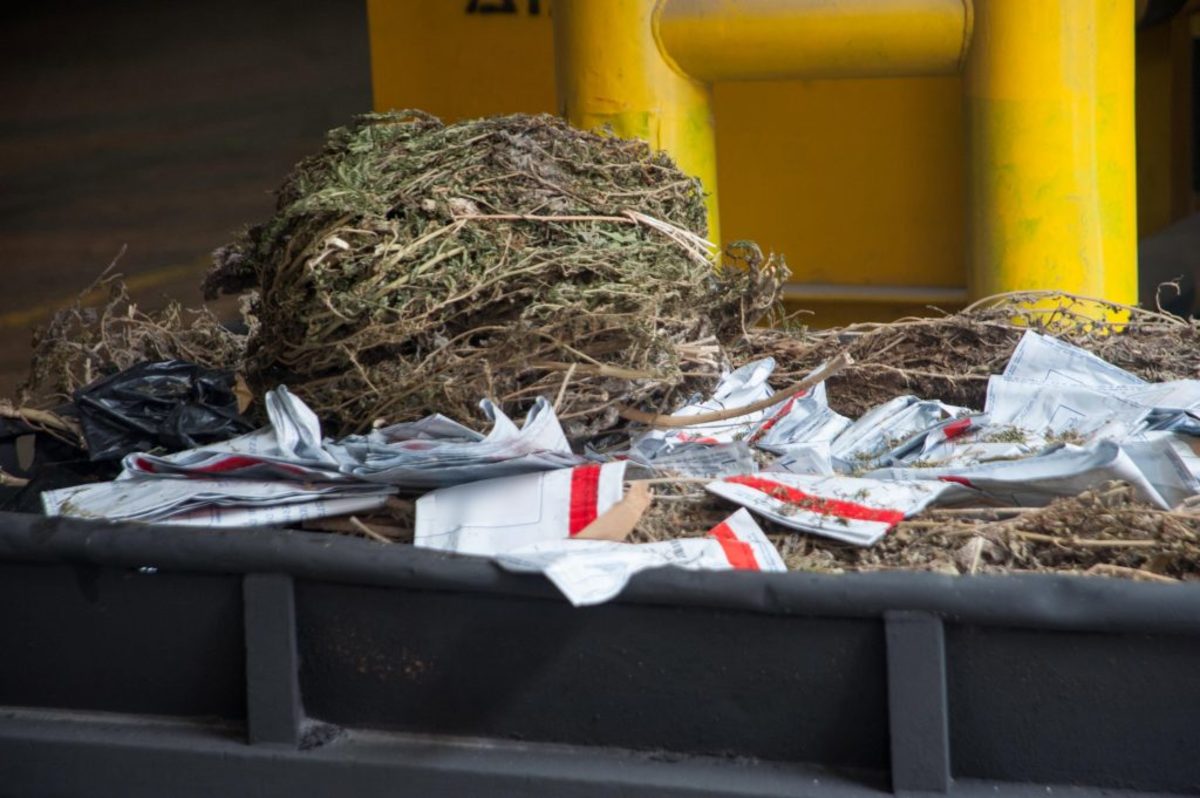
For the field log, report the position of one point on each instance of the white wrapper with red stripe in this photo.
(890, 431)
(497, 515)
(290, 448)
(432, 452)
(594, 571)
(1064, 471)
(214, 502)
(855, 510)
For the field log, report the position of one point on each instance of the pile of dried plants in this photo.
(415, 267)
(84, 342)
(949, 356)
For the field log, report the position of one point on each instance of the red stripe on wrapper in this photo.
(817, 504)
(585, 484)
(956, 428)
(738, 552)
(773, 420)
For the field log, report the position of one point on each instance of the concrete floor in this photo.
(159, 126)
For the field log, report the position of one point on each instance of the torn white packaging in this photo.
(796, 459)
(801, 420)
(1169, 463)
(1173, 396)
(1035, 481)
(594, 571)
(1060, 410)
(428, 454)
(851, 509)
(740, 387)
(1048, 361)
(697, 460)
(290, 448)
(1086, 387)
(213, 502)
(890, 431)
(970, 440)
(497, 515)
(431, 452)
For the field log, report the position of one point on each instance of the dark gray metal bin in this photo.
(141, 660)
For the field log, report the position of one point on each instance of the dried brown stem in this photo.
(662, 421)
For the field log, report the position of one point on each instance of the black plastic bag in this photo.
(169, 405)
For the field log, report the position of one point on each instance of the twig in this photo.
(35, 417)
(366, 530)
(344, 526)
(976, 544)
(994, 299)
(562, 391)
(536, 217)
(673, 422)
(599, 369)
(943, 527)
(1085, 543)
(979, 513)
(673, 480)
(680, 497)
(9, 481)
(1107, 569)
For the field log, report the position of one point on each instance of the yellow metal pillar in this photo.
(611, 72)
(1050, 115)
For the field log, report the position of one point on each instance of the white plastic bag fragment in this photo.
(1035, 481)
(213, 502)
(1168, 462)
(590, 572)
(1186, 447)
(498, 515)
(970, 440)
(851, 509)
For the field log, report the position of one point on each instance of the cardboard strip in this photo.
(620, 519)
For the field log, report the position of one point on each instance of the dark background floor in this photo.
(158, 125)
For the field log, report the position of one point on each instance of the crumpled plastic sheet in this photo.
(167, 405)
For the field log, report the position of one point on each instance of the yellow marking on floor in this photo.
(134, 282)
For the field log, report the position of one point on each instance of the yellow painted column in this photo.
(611, 72)
(1050, 121)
